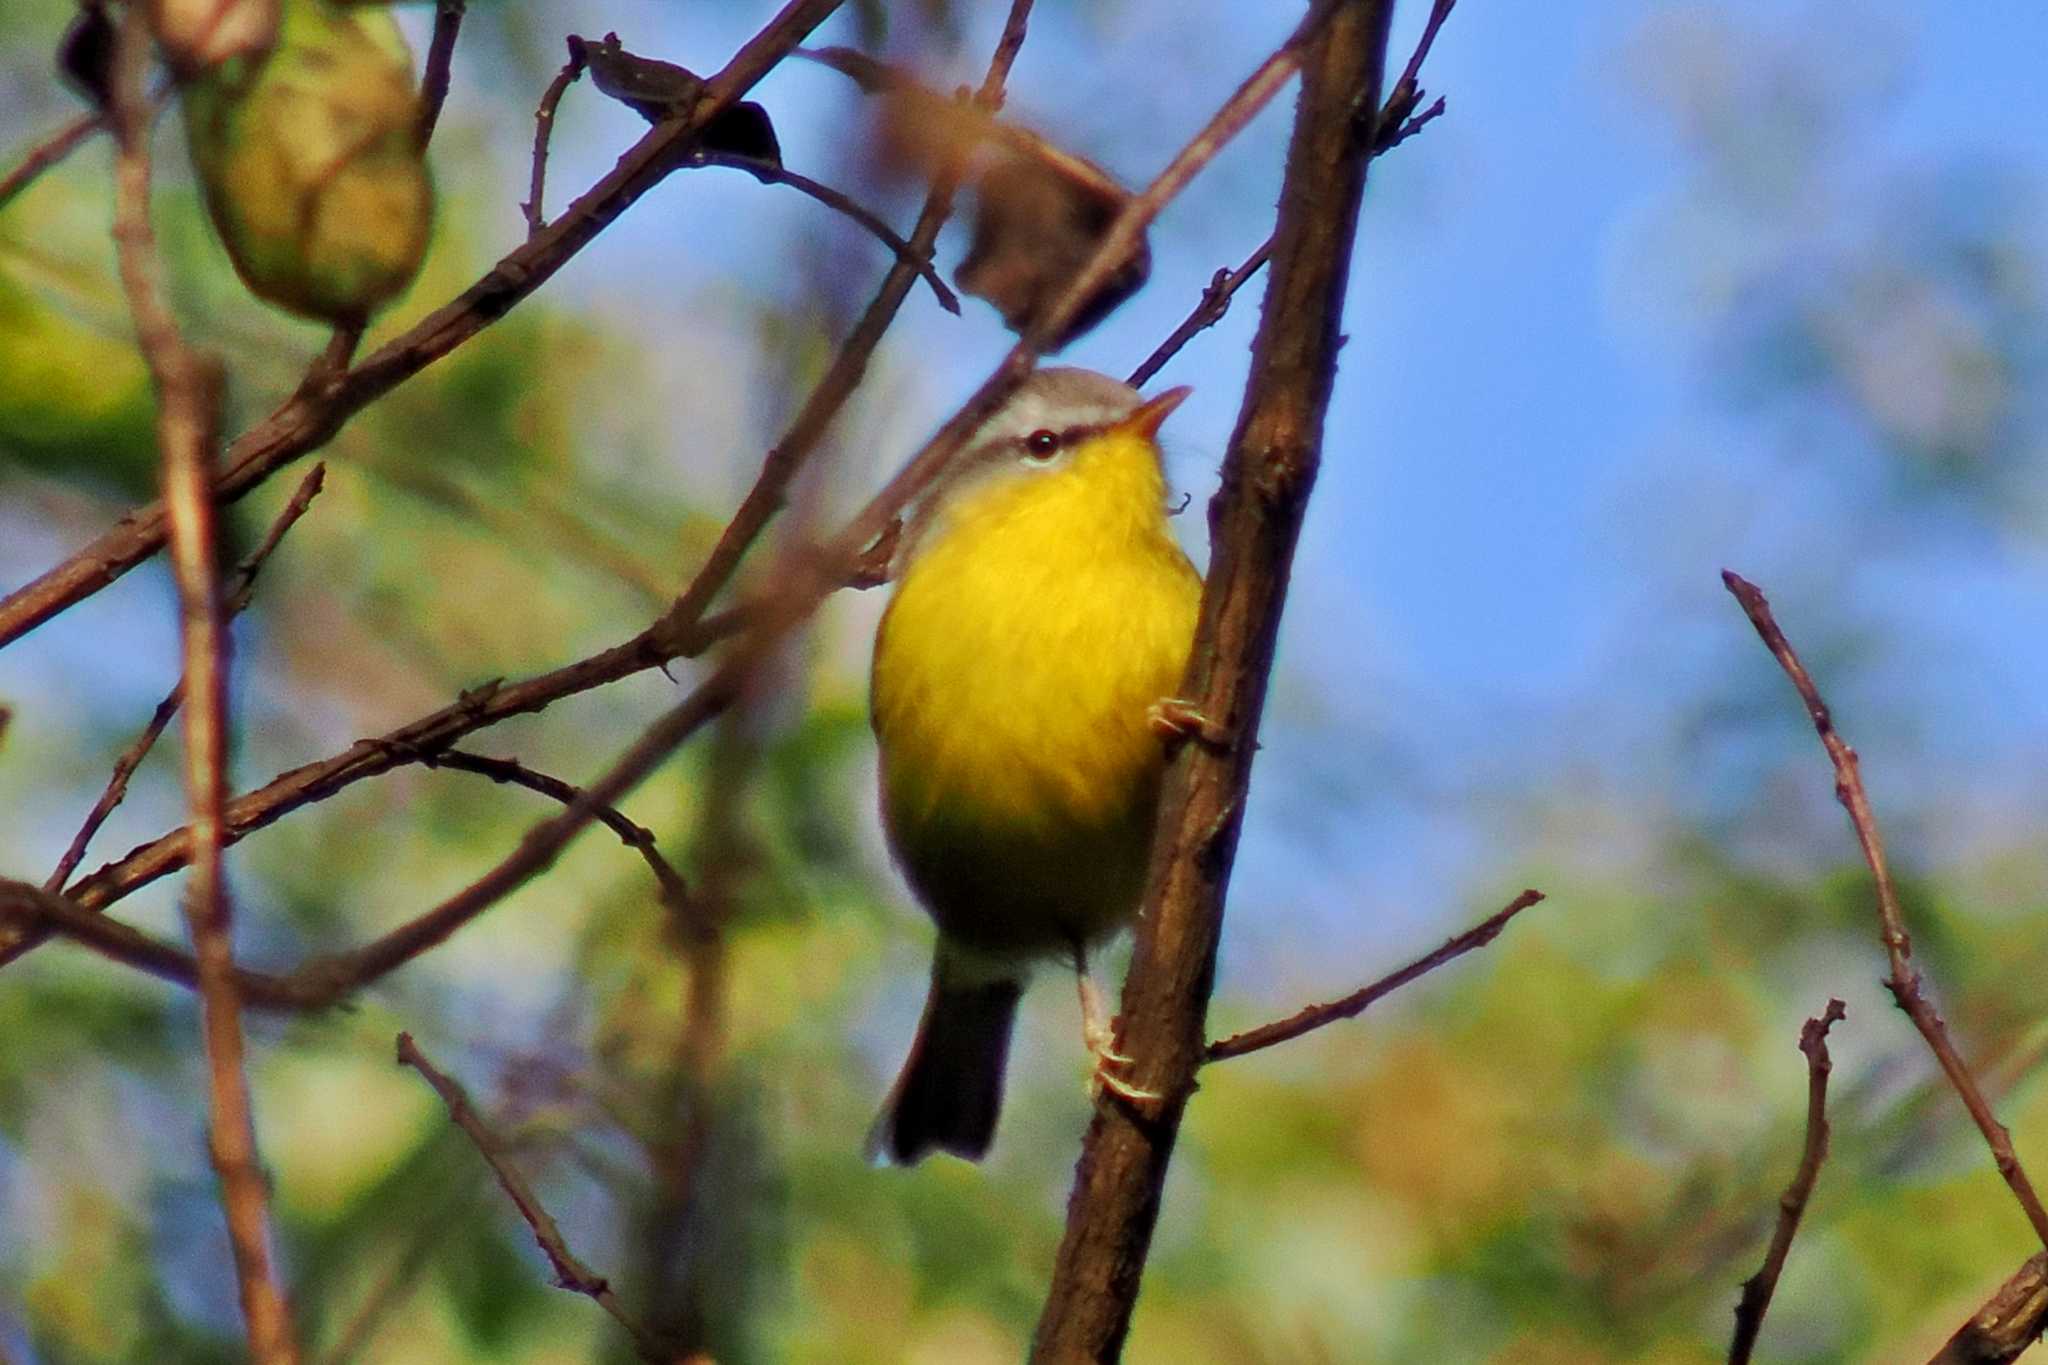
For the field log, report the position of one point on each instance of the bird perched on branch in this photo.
(1043, 614)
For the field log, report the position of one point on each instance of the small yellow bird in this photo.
(1043, 612)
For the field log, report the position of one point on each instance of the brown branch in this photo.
(1255, 518)
(2013, 1319)
(570, 1273)
(1356, 1003)
(1904, 982)
(188, 397)
(805, 579)
(543, 133)
(1758, 1288)
(241, 587)
(323, 405)
(675, 896)
(839, 203)
(1394, 126)
(434, 79)
(48, 153)
(1215, 302)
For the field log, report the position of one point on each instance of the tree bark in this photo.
(1255, 520)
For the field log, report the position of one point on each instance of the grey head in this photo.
(1049, 414)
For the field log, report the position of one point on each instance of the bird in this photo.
(1021, 700)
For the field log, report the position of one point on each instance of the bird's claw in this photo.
(1178, 720)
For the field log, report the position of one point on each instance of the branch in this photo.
(188, 398)
(2005, 1327)
(1256, 518)
(434, 78)
(570, 1273)
(237, 597)
(675, 896)
(1905, 980)
(48, 153)
(1356, 1003)
(543, 132)
(326, 402)
(806, 577)
(1758, 1288)
(1393, 127)
(840, 203)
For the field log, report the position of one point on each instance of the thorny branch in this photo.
(570, 1273)
(188, 397)
(1758, 1288)
(240, 589)
(1356, 1003)
(1904, 982)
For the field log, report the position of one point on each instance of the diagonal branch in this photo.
(434, 78)
(2002, 1330)
(1904, 982)
(331, 397)
(570, 1273)
(1356, 1003)
(49, 152)
(1255, 520)
(188, 390)
(1758, 1288)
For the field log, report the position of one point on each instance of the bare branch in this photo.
(323, 405)
(434, 79)
(2002, 1330)
(48, 153)
(1255, 519)
(543, 132)
(1904, 981)
(1214, 304)
(839, 203)
(1758, 1288)
(188, 396)
(675, 896)
(1356, 1003)
(570, 1273)
(241, 587)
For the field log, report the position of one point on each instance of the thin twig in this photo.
(1215, 302)
(49, 152)
(570, 1273)
(434, 79)
(1393, 127)
(240, 589)
(1904, 982)
(2014, 1319)
(319, 409)
(675, 896)
(188, 395)
(1356, 1003)
(840, 203)
(543, 133)
(1758, 1288)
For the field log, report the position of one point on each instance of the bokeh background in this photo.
(1672, 287)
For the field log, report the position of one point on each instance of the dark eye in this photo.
(1042, 443)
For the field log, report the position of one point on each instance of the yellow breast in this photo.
(1012, 675)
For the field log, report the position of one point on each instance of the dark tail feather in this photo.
(951, 1089)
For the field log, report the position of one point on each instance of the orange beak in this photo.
(1149, 415)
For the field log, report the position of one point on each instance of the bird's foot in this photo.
(1178, 720)
(1098, 1032)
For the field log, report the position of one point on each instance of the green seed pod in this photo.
(311, 165)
